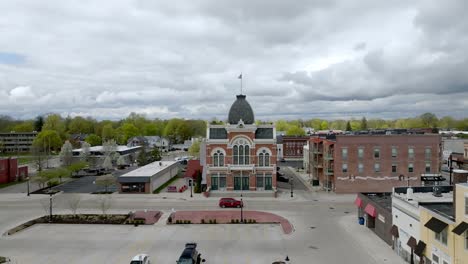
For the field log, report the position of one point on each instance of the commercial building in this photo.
(163, 144)
(444, 229)
(16, 142)
(406, 206)
(319, 162)
(96, 154)
(148, 178)
(293, 147)
(377, 163)
(240, 156)
(11, 172)
(375, 210)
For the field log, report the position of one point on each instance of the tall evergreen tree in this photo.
(348, 126)
(363, 123)
(38, 123)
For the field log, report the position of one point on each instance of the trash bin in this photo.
(361, 220)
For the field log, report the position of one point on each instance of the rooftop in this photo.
(382, 199)
(442, 209)
(424, 194)
(241, 110)
(150, 169)
(100, 148)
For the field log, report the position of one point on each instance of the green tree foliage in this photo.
(348, 126)
(38, 123)
(282, 125)
(295, 131)
(48, 140)
(81, 125)
(155, 154)
(324, 125)
(93, 140)
(129, 130)
(194, 150)
(429, 120)
(108, 132)
(26, 126)
(56, 123)
(142, 158)
(363, 123)
(77, 166)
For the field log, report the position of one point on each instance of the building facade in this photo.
(293, 147)
(240, 155)
(11, 172)
(376, 211)
(16, 142)
(377, 163)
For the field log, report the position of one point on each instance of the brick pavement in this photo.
(225, 217)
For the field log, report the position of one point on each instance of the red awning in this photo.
(370, 210)
(358, 202)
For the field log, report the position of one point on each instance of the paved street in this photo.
(324, 224)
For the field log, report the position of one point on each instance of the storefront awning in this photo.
(436, 225)
(358, 202)
(394, 231)
(370, 210)
(462, 227)
(420, 248)
(412, 243)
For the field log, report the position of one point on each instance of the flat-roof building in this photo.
(148, 178)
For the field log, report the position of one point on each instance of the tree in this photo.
(295, 131)
(56, 123)
(183, 132)
(348, 126)
(66, 153)
(47, 140)
(81, 125)
(106, 181)
(429, 120)
(447, 122)
(155, 154)
(194, 150)
(122, 161)
(107, 132)
(170, 131)
(93, 139)
(129, 130)
(105, 203)
(109, 148)
(142, 158)
(324, 125)
(26, 126)
(107, 163)
(77, 166)
(38, 157)
(73, 202)
(38, 123)
(85, 151)
(363, 123)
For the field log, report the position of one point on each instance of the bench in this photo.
(172, 188)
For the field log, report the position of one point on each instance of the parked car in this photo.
(281, 177)
(140, 259)
(282, 160)
(190, 255)
(230, 202)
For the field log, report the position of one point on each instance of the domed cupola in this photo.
(241, 110)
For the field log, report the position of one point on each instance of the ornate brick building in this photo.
(240, 155)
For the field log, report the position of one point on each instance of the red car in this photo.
(230, 202)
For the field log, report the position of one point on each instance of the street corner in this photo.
(230, 217)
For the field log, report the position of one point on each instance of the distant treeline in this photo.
(179, 130)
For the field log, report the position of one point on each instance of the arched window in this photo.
(264, 159)
(218, 159)
(241, 152)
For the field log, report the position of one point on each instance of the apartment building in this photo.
(16, 142)
(377, 163)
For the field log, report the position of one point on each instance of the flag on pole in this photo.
(240, 76)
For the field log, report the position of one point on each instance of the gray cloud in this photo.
(322, 58)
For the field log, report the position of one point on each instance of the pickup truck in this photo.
(190, 255)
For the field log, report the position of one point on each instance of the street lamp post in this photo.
(191, 183)
(50, 206)
(28, 185)
(242, 213)
(291, 183)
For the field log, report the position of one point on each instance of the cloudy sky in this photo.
(299, 59)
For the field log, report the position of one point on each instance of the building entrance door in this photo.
(268, 183)
(237, 183)
(245, 183)
(214, 183)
